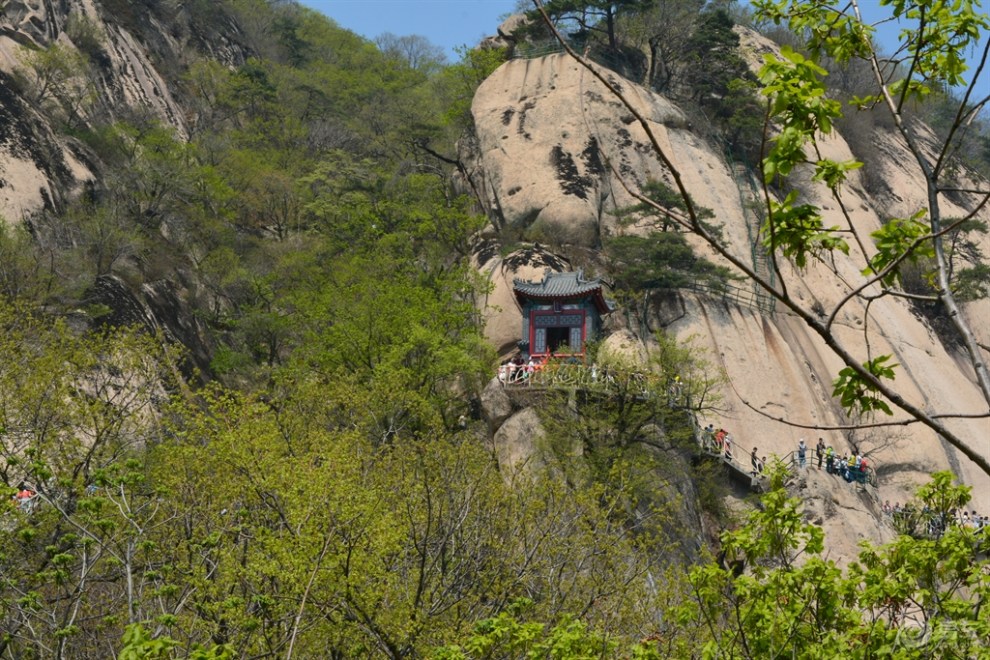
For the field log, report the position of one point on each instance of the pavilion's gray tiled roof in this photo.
(563, 285)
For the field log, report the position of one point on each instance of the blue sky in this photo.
(446, 23)
(453, 23)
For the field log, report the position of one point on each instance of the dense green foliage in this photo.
(326, 492)
(915, 597)
(303, 167)
(337, 516)
(775, 594)
(318, 498)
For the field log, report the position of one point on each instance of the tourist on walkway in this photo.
(708, 438)
(820, 450)
(25, 499)
(754, 461)
(802, 454)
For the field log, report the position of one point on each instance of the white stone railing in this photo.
(564, 374)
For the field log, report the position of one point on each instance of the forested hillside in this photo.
(243, 366)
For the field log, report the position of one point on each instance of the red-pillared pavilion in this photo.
(561, 313)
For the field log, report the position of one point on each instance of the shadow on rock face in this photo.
(534, 256)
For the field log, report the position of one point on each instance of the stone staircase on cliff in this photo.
(752, 207)
(753, 295)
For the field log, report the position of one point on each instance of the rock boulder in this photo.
(545, 129)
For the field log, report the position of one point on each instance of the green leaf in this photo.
(833, 173)
(856, 392)
(899, 240)
(798, 231)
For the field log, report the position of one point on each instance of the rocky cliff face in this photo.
(119, 57)
(554, 152)
(63, 63)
